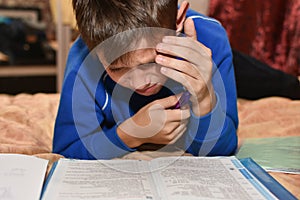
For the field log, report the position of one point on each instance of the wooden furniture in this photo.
(63, 17)
(63, 35)
(17, 71)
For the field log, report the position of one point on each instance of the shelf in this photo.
(27, 70)
(61, 45)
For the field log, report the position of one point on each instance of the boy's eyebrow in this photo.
(125, 65)
(114, 67)
(138, 63)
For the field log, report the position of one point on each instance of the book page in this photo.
(206, 178)
(95, 179)
(21, 176)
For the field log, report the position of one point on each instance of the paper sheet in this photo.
(208, 178)
(21, 177)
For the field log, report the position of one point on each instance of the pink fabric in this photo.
(268, 30)
(27, 124)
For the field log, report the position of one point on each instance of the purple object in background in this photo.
(184, 99)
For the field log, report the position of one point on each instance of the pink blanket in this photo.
(27, 123)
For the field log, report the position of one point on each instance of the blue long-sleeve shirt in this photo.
(92, 105)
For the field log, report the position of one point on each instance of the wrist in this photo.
(206, 104)
(129, 140)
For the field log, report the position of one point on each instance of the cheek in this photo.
(161, 78)
(114, 76)
(120, 78)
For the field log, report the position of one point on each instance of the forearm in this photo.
(223, 145)
(129, 140)
(96, 145)
(212, 134)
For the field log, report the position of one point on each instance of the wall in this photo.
(201, 6)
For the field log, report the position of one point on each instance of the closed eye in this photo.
(150, 64)
(116, 69)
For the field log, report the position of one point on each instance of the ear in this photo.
(181, 15)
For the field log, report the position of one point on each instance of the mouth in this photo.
(149, 90)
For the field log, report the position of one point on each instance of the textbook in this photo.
(175, 178)
(171, 178)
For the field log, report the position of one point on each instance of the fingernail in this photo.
(159, 59)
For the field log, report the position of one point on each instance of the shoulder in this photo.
(212, 34)
(204, 23)
(76, 56)
(202, 18)
(208, 29)
(85, 73)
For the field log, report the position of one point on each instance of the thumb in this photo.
(167, 102)
(189, 28)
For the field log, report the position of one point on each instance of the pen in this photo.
(184, 99)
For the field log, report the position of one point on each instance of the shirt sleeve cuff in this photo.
(117, 140)
(211, 123)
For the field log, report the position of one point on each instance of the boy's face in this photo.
(141, 74)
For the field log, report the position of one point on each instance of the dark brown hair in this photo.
(98, 20)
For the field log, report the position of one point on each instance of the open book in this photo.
(21, 177)
(161, 178)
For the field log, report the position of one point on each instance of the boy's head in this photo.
(98, 20)
(129, 24)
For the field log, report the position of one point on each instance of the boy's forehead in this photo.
(130, 45)
(136, 58)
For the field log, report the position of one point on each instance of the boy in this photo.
(116, 100)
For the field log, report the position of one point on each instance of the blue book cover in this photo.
(267, 180)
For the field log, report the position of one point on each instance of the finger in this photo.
(174, 131)
(170, 128)
(184, 41)
(189, 28)
(178, 133)
(189, 53)
(187, 81)
(167, 102)
(178, 115)
(178, 65)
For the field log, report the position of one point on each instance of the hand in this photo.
(155, 123)
(194, 72)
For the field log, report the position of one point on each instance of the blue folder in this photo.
(267, 180)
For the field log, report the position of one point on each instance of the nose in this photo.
(138, 79)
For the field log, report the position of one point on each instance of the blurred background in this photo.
(35, 36)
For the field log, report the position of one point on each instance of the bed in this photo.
(27, 123)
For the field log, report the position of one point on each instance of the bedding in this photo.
(27, 123)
